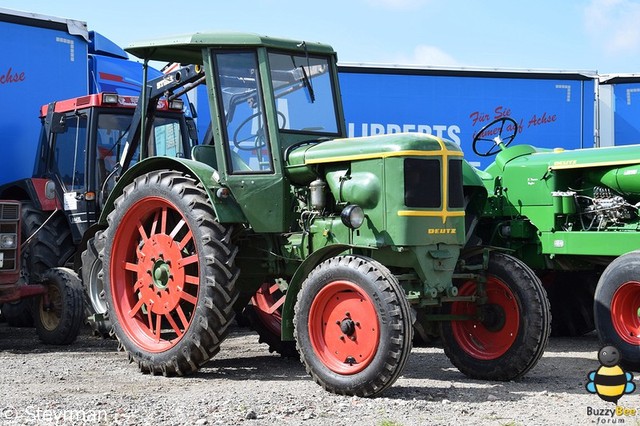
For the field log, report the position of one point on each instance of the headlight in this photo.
(352, 216)
(8, 241)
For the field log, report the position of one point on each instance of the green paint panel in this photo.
(590, 243)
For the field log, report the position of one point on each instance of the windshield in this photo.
(165, 140)
(303, 92)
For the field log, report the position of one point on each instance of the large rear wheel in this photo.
(510, 330)
(51, 246)
(617, 308)
(169, 274)
(353, 326)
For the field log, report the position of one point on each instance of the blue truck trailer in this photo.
(46, 58)
(619, 109)
(552, 108)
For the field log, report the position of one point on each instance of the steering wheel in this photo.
(496, 128)
(257, 140)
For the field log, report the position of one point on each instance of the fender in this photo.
(32, 189)
(227, 210)
(298, 278)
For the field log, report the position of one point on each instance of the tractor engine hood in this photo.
(559, 159)
(302, 162)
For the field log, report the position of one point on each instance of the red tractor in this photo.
(50, 221)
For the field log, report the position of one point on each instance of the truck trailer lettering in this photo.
(11, 77)
(451, 132)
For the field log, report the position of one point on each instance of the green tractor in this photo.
(572, 216)
(362, 237)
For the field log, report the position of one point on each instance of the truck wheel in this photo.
(353, 326)
(264, 313)
(92, 280)
(169, 274)
(514, 330)
(59, 313)
(617, 308)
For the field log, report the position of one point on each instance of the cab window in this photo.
(69, 153)
(246, 141)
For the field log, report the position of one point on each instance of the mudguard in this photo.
(227, 210)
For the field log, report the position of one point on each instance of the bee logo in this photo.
(610, 381)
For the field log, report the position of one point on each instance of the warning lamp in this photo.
(110, 98)
(177, 104)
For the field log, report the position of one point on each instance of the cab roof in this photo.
(187, 48)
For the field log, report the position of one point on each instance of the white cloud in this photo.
(613, 25)
(428, 55)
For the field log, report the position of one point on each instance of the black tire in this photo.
(380, 326)
(618, 292)
(60, 315)
(515, 332)
(52, 246)
(571, 295)
(200, 307)
(96, 312)
(18, 314)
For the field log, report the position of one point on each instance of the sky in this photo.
(600, 36)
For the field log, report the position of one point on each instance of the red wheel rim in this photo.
(343, 327)
(625, 308)
(267, 303)
(491, 338)
(154, 274)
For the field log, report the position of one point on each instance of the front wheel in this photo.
(169, 274)
(92, 280)
(617, 308)
(353, 326)
(510, 329)
(59, 313)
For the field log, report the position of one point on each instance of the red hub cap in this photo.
(343, 327)
(490, 336)
(625, 311)
(154, 274)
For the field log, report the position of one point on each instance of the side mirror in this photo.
(192, 110)
(193, 131)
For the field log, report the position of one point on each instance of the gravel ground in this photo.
(90, 382)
